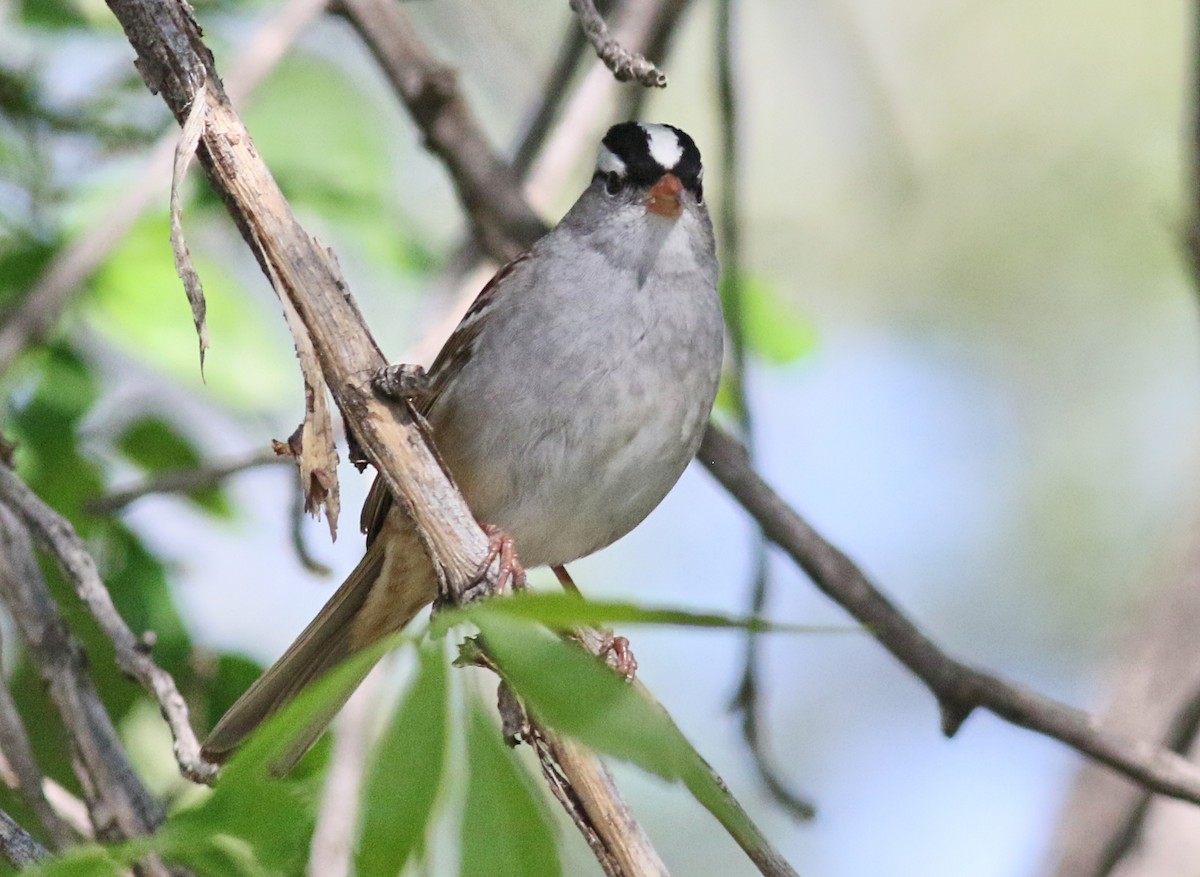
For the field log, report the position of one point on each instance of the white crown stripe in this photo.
(664, 145)
(608, 162)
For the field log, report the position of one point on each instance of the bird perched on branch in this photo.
(566, 404)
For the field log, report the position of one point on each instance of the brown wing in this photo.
(455, 353)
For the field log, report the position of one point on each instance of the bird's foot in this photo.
(510, 573)
(402, 383)
(617, 654)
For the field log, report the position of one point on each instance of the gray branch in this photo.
(17, 845)
(26, 775)
(119, 804)
(959, 688)
(55, 535)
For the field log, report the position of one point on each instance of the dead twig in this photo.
(17, 845)
(119, 804)
(182, 481)
(55, 535)
(19, 770)
(625, 65)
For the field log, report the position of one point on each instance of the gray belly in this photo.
(576, 466)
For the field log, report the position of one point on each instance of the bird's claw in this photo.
(401, 383)
(510, 573)
(618, 655)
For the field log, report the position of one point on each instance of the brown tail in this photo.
(389, 586)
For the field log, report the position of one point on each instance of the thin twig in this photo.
(1180, 737)
(17, 845)
(958, 687)
(64, 277)
(119, 804)
(624, 64)
(182, 481)
(297, 515)
(55, 535)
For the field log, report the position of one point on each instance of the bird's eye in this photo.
(613, 183)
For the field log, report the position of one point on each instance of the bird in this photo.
(565, 405)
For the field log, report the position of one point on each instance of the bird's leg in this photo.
(564, 579)
(403, 383)
(614, 650)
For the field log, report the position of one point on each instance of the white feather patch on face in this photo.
(664, 145)
(608, 162)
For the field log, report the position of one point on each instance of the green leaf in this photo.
(773, 330)
(578, 695)
(92, 860)
(506, 830)
(157, 446)
(52, 13)
(406, 773)
(21, 264)
(575, 693)
(273, 815)
(138, 304)
(562, 611)
(221, 855)
(330, 154)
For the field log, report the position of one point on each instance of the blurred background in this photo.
(972, 365)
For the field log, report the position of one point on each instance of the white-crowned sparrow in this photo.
(566, 404)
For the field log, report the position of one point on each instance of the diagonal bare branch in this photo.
(17, 845)
(958, 687)
(55, 535)
(119, 804)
